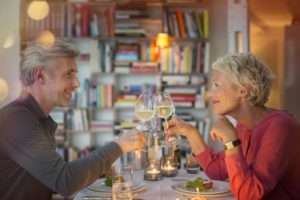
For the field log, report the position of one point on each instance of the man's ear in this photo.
(39, 74)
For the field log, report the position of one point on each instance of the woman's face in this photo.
(224, 94)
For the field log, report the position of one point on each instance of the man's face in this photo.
(62, 81)
(224, 94)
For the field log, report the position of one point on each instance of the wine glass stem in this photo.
(166, 128)
(145, 148)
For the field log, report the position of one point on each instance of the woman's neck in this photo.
(251, 116)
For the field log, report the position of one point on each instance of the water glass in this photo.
(122, 188)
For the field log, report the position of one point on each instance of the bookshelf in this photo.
(119, 58)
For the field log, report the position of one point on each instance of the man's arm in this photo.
(28, 145)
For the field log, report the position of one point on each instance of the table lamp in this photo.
(162, 40)
(162, 43)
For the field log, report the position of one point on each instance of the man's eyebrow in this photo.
(71, 70)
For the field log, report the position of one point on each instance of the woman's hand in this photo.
(223, 131)
(178, 126)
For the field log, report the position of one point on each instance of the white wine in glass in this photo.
(164, 111)
(164, 108)
(144, 111)
(145, 115)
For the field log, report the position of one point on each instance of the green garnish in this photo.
(197, 183)
(109, 180)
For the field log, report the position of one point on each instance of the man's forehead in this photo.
(66, 64)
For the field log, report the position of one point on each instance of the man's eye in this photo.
(69, 74)
(215, 85)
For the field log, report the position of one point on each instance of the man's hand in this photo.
(132, 140)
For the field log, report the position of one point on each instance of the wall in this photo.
(218, 40)
(10, 57)
(268, 44)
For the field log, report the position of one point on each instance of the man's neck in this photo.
(37, 94)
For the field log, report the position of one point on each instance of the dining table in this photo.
(164, 189)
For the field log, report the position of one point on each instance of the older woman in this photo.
(261, 157)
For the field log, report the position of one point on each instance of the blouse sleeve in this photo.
(213, 164)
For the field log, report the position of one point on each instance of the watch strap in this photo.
(232, 144)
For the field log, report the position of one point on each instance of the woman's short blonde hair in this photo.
(250, 72)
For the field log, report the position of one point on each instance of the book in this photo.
(181, 22)
(176, 79)
(205, 24)
(199, 23)
(186, 104)
(184, 90)
(85, 20)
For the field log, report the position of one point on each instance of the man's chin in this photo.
(66, 103)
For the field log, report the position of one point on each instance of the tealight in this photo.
(152, 173)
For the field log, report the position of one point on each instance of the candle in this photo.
(153, 171)
(152, 174)
(169, 170)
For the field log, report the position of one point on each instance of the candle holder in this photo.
(169, 166)
(153, 172)
(191, 165)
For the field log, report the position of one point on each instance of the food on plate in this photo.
(203, 185)
(110, 179)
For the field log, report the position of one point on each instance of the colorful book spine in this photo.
(181, 23)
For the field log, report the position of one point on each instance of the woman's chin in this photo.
(218, 112)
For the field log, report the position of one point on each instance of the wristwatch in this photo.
(232, 144)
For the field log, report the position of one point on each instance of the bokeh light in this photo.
(3, 89)
(46, 38)
(38, 10)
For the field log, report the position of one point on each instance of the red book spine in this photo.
(85, 20)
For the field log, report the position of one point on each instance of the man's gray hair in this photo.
(248, 71)
(40, 55)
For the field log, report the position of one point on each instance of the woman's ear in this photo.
(244, 91)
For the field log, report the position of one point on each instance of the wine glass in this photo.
(144, 111)
(164, 108)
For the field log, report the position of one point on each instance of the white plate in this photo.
(219, 188)
(99, 186)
